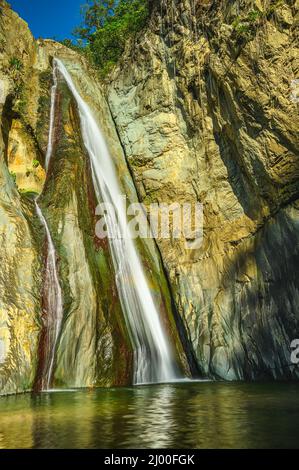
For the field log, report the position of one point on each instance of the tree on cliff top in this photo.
(106, 27)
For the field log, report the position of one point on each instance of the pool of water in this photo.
(187, 415)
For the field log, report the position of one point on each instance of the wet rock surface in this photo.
(202, 105)
(200, 108)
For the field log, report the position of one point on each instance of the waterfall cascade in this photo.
(53, 304)
(153, 357)
(52, 118)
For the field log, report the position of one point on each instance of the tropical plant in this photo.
(245, 28)
(106, 27)
(16, 64)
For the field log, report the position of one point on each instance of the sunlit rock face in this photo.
(87, 358)
(20, 277)
(94, 346)
(204, 107)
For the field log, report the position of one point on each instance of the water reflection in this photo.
(155, 417)
(198, 415)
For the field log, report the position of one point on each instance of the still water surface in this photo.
(187, 415)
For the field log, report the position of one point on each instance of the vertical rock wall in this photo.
(202, 103)
(20, 274)
(201, 108)
(93, 347)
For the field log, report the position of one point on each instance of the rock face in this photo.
(204, 107)
(94, 347)
(20, 277)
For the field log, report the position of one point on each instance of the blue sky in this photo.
(49, 18)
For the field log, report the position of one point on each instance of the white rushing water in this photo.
(52, 298)
(52, 117)
(153, 358)
(53, 307)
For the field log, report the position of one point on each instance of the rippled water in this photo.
(189, 415)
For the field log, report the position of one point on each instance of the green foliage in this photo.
(45, 79)
(20, 103)
(95, 14)
(28, 193)
(21, 106)
(78, 46)
(13, 175)
(245, 27)
(35, 163)
(19, 89)
(254, 15)
(107, 26)
(16, 64)
(16, 72)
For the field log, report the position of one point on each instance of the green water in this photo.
(194, 415)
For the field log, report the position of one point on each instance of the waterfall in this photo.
(153, 358)
(52, 116)
(53, 305)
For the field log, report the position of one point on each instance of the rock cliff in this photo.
(20, 278)
(202, 107)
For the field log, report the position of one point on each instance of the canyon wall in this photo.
(94, 347)
(200, 108)
(21, 264)
(203, 105)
